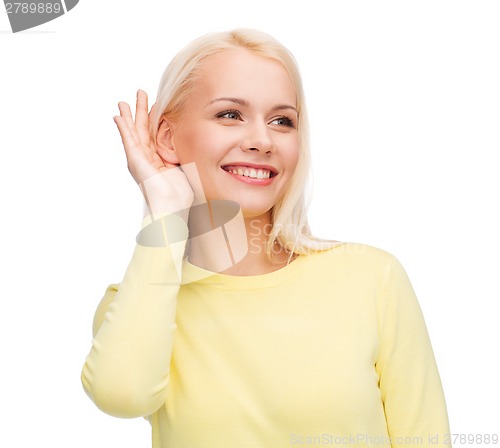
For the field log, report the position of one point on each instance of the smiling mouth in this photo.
(246, 171)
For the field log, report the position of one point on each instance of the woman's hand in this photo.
(142, 158)
(164, 188)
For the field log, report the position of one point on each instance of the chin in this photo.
(252, 205)
(254, 212)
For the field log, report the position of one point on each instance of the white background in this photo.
(404, 106)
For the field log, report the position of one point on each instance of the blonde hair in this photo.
(289, 215)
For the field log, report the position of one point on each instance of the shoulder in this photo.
(357, 254)
(353, 263)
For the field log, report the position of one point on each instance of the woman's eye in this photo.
(284, 121)
(231, 114)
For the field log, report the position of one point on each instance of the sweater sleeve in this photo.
(127, 370)
(409, 381)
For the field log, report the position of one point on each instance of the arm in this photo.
(410, 385)
(126, 372)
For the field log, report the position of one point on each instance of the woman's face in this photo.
(239, 125)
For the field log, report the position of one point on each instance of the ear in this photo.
(165, 144)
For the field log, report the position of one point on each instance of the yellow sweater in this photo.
(331, 350)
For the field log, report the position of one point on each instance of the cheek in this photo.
(204, 145)
(292, 155)
(187, 148)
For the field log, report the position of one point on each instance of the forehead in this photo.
(241, 73)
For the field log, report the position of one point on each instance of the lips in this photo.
(251, 171)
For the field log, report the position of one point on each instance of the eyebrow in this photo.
(245, 103)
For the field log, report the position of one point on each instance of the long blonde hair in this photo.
(289, 215)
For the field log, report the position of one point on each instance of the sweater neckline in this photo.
(195, 274)
(192, 274)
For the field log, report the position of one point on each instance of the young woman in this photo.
(233, 325)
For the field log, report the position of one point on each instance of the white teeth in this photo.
(251, 172)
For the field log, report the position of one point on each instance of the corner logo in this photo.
(28, 14)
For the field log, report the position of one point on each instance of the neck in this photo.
(255, 262)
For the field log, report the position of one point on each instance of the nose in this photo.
(257, 137)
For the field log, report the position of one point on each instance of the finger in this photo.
(124, 109)
(126, 114)
(153, 108)
(141, 117)
(126, 134)
(151, 113)
(152, 142)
